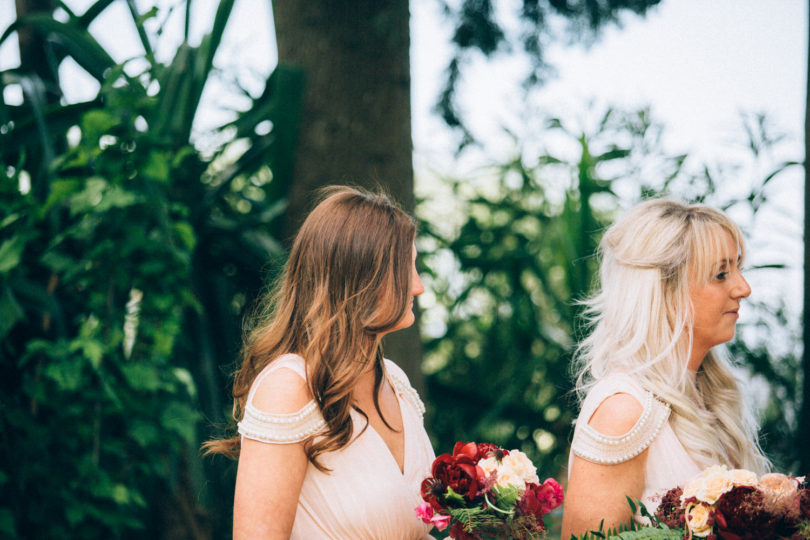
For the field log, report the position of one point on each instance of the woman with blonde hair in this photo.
(660, 402)
(332, 443)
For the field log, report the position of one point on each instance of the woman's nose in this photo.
(741, 287)
(416, 284)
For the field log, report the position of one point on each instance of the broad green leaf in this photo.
(142, 377)
(181, 419)
(9, 219)
(120, 494)
(145, 433)
(185, 232)
(98, 122)
(10, 253)
(99, 196)
(10, 312)
(61, 189)
(67, 373)
(77, 41)
(157, 166)
(93, 350)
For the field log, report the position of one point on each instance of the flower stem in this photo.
(489, 503)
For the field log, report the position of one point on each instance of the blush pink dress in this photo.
(366, 496)
(668, 463)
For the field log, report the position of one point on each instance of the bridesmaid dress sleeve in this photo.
(596, 447)
(281, 428)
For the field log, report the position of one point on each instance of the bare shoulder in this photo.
(281, 391)
(616, 415)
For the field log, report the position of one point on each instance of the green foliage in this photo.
(126, 258)
(633, 530)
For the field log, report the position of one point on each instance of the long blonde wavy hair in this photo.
(640, 322)
(346, 282)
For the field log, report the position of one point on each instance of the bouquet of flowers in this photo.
(723, 504)
(483, 491)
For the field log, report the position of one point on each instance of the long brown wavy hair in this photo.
(346, 282)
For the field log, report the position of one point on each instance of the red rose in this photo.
(476, 451)
(461, 474)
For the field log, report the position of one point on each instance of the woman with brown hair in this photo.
(332, 443)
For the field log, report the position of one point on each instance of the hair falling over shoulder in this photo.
(346, 282)
(639, 323)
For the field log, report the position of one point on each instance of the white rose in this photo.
(522, 466)
(508, 477)
(488, 464)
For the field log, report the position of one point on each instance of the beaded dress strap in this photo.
(595, 447)
(402, 386)
(281, 428)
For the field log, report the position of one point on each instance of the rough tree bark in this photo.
(356, 118)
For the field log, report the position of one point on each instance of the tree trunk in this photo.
(803, 437)
(355, 125)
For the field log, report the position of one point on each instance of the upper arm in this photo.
(269, 475)
(598, 491)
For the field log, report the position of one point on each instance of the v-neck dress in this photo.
(366, 495)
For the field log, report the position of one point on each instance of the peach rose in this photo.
(699, 519)
(778, 490)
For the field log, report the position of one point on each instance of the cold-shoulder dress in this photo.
(668, 463)
(366, 495)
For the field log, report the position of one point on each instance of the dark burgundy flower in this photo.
(670, 512)
(740, 513)
(804, 502)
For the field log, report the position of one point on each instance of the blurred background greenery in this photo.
(132, 246)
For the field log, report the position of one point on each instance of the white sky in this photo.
(697, 63)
